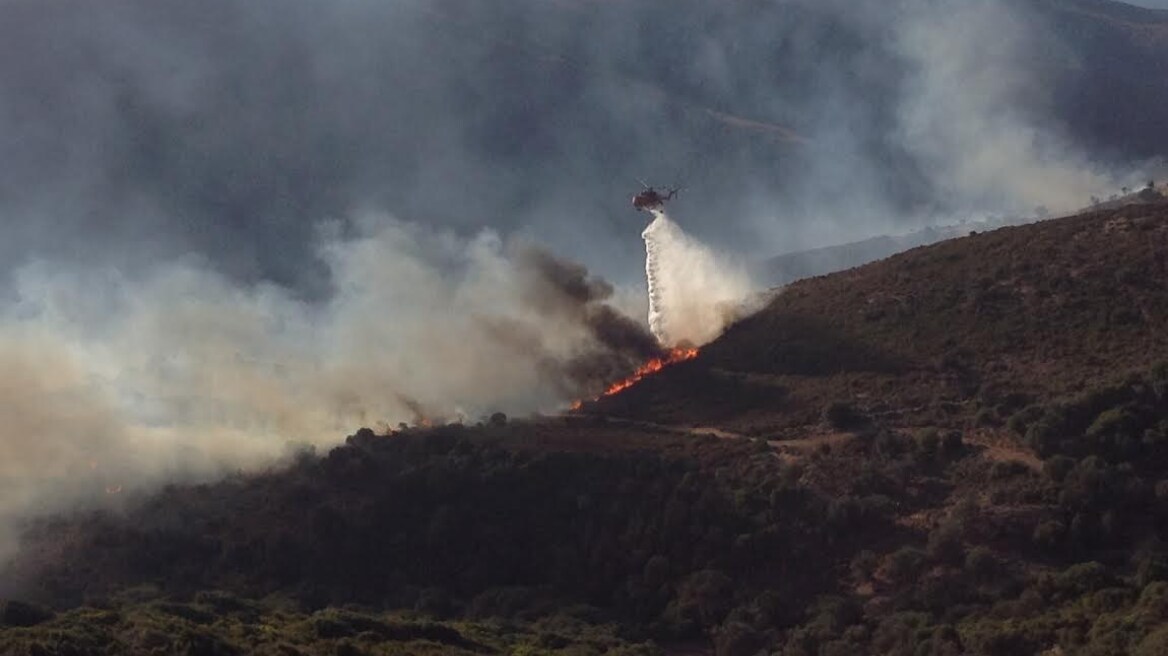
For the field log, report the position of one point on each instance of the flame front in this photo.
(651, 367)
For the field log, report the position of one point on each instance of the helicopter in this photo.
(651, 199)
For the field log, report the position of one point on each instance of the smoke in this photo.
(973, 117)
(112, 384)
(136, 131)
(172, 309)
(925, 123)
(693, 294)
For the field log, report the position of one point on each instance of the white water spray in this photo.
(693, 294)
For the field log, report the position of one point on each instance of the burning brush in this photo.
(673, 356)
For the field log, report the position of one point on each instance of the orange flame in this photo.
(651, 367)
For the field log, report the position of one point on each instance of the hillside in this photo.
(963, 451)
(940, 334)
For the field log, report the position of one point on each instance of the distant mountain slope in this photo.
(789, 267)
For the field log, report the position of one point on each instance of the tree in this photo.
(906, 564)
(1049, 535)
(945, 545)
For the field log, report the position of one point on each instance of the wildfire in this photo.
(651, 367)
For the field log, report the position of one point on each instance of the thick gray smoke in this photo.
(110, 384)
(135, 130)
(963, 115)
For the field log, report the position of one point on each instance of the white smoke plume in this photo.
(693, 293)
(970, 113)
(111, 384)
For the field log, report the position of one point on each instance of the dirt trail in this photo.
(783, 449)
(668, 428)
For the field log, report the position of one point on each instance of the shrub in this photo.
(906, 564)
(986, 417)
(981, 564)
(738, 639)
(945, 545)
(1056, 468)
(1080, 579)
(890, 444)
(1049, 535)
(832, 614)
(656, 571)
(1091, 484)
(952, 444)
(929, 443)
(1153, 602)
(1044, 437)
(707, 595)
(1151, 566)
(1020, 421)
(843, 416)
(864, 565)
(1154, 644)
(1007, 469)
(434, 602)
(1116, 421)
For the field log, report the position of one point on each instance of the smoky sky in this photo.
(1151, 4)
(225, 131)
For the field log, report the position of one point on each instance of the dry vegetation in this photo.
(962, 449)
(940, 333)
